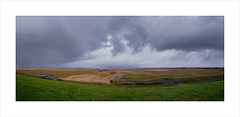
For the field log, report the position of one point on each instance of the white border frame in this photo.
(10, 9)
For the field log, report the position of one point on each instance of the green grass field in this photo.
(36, 89)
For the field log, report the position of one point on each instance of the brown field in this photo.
(74, 75)
(98, 76)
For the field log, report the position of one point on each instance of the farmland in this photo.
(120, 84)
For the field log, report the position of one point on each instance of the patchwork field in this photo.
(120, 84)
(128, 76)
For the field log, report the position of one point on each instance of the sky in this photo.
(119, 41)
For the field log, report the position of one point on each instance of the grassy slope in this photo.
(29, 88)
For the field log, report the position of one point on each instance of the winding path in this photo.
(114, 77)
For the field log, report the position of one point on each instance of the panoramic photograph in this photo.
(119, 58)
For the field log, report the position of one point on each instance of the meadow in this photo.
(36, 89)
(120, 84)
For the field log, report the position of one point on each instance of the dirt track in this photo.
(117, 76)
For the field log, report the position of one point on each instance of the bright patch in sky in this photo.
(147, 58)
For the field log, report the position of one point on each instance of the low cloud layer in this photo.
(119, 42)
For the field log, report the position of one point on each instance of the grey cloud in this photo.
(117, 45)
(49, 41)
(181, 33)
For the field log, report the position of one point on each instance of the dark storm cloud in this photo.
(181, 33)
(47, 41)
(51, 41)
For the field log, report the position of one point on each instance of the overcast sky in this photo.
(119, 42)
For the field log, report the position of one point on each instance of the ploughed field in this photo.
(163, 77)
(120, 85)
